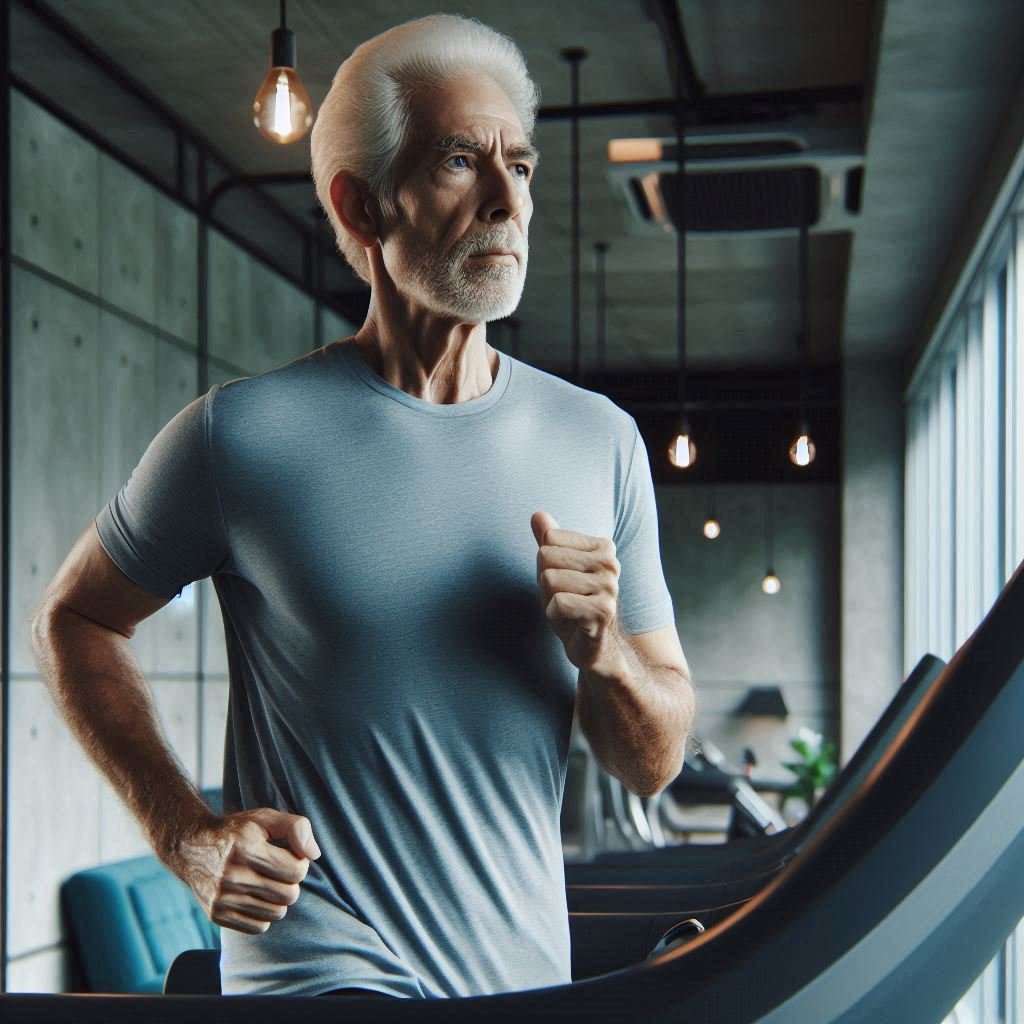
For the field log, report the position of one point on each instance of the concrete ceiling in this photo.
(946, 74)
(936, 76)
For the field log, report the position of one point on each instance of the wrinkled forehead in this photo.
(464, 113)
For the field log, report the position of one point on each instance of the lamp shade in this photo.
(765, 701)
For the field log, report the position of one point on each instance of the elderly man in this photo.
(427, 554)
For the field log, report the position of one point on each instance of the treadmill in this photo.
(622, 902)
(713, 861)
(889, 912)
(702, 780)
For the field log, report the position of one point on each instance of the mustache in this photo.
(475, 246)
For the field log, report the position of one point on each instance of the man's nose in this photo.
(504, 196)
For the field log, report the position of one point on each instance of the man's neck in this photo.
(436, 363)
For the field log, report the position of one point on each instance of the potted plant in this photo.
(815, 769)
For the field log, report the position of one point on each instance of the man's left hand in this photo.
(578, 577)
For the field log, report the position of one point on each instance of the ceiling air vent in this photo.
(756, 200)
(743, 181)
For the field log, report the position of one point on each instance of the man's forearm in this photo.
(98, 686)
(637, 719)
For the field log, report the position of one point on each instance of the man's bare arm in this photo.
(637, 718)
(634, 697)
(80, 634)
(99, 689)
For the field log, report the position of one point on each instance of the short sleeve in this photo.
(164, 528)
(644, 599)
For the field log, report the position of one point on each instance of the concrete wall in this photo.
(104, 312)
(872, 544)
(733, 635)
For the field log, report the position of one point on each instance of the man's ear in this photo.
(352, 204)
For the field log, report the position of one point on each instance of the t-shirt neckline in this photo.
(354, 359)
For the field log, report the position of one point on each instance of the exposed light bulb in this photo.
(682, 452)
(771, 583)
(802, 451)
(282, 107)
(712, 528)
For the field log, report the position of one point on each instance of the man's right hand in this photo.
(241, 879)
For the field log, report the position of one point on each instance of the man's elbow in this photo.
(651, 785)
(649, 790)
(663, 783)
(645, 791)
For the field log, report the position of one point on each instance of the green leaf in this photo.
(801, 748)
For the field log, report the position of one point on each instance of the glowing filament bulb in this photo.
(682, 452)
(712, 528)
(282, 109)
(771, 583)
(282, 106)
(801, 451)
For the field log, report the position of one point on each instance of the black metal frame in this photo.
(184, 136)
(5, 459)
(725, 108)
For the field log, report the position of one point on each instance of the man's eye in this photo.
(458, 156)
(527, 168)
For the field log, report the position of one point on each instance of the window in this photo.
(964, 493)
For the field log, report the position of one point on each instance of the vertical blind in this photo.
(964, 501)
(964, 482)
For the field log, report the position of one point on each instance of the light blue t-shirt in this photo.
(393, 675)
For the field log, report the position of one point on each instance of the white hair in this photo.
(363, 123)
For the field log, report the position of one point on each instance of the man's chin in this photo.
(499, 312)
(490, 308)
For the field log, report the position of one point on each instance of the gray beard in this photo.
(475, 291)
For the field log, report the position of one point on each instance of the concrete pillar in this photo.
(871, 549)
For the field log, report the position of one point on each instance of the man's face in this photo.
(464, 187)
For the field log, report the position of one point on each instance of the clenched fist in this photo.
(578, 577)
(241, 879)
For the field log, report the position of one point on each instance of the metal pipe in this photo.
(203, 385)
(73, 38)
(669, 19)
(804, 318)
(724, 108)
(5, 462)
(681, 254)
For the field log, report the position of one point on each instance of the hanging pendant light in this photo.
(771, 584)
(682, 451)
(712, 527)
(802, 450)
(282, 107)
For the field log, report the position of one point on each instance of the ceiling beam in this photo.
(665, 14)
(725, 108)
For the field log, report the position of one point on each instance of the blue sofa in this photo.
(131, 918)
